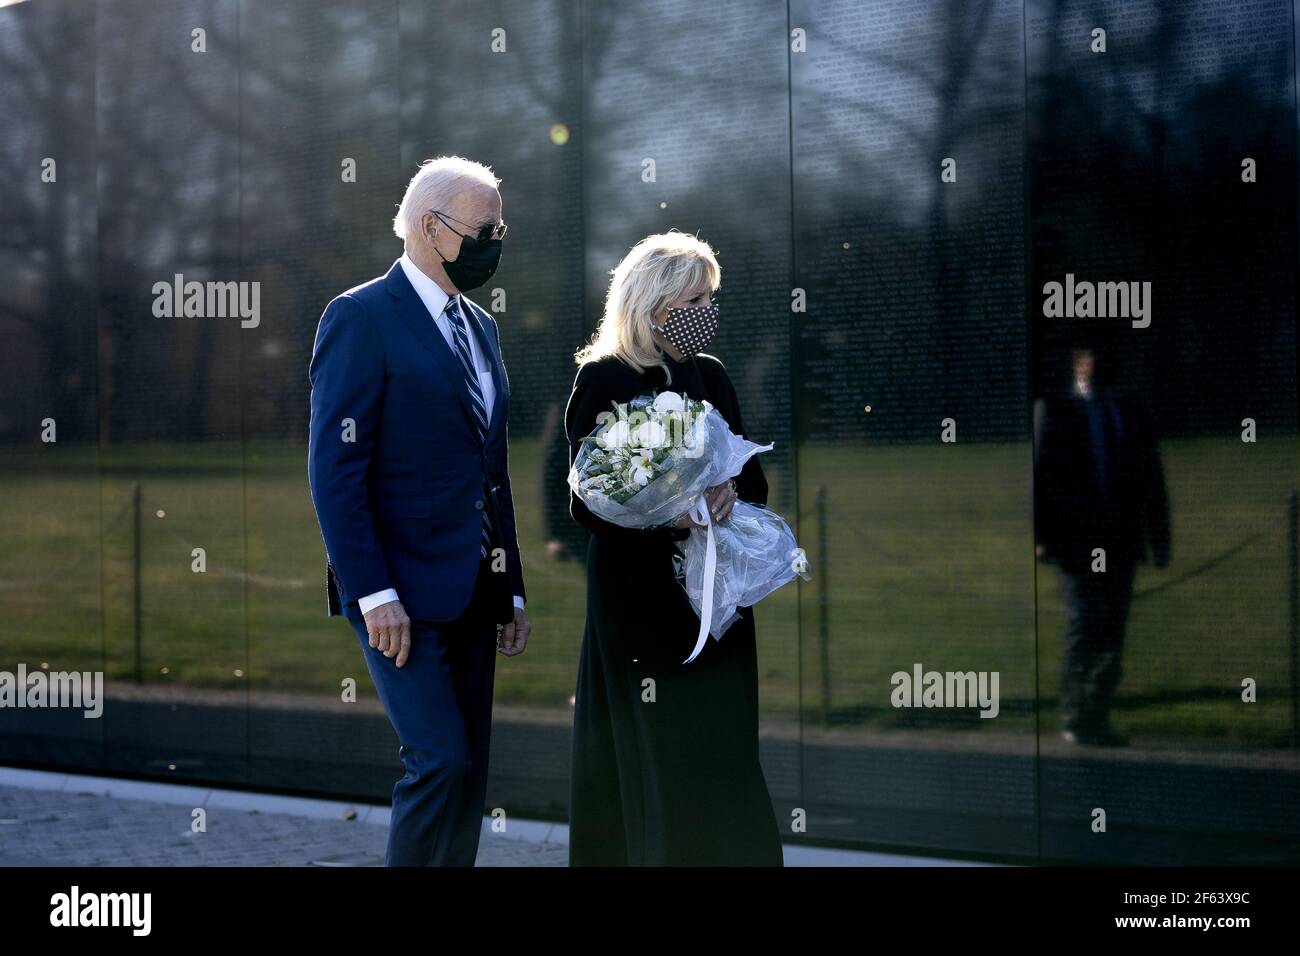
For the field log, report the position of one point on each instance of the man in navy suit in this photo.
(407, 462)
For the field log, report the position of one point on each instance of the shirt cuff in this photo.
(519, 601)
(371, 601)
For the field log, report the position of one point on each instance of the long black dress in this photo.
(676, 781)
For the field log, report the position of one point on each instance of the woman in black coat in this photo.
(665, 754)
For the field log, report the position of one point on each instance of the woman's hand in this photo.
(720, 498)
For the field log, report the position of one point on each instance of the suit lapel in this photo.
(411, 310)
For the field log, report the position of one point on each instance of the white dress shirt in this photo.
(435, 300)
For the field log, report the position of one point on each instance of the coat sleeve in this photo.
(347, 388)
(751, 483)
(506, 500)
(592, 395)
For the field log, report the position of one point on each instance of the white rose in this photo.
(668, 402)
(616, 435)
(650, 435)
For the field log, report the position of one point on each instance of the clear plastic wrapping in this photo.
(756, 554)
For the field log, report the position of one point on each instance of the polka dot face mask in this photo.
(690, 329)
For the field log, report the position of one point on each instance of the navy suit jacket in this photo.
(1070, 516)
(398, 474)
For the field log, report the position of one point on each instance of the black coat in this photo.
(676, 780)
(1072, 513)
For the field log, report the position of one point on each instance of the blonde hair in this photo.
(658, 271)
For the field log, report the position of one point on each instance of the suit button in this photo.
(479, 504)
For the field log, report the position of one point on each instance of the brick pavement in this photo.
(73, 827)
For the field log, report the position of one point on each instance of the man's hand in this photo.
(390, 630)
(514, 636)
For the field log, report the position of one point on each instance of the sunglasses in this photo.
(485, 233)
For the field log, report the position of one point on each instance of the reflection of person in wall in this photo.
(1100, 508)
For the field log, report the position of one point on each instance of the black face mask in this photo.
(474, 264)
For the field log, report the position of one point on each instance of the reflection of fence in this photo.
(1293, 574)
(823, 601)
(136, 507)
(1200, 569)
(823, 514)
(137, 611)
(901, 560)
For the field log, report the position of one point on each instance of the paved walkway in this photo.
(80, 825)
(63, 819)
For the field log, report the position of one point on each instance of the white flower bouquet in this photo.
(651, 460)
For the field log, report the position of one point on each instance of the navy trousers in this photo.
(1096, 616)
(440, 705)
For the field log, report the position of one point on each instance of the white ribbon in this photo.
(700, 512)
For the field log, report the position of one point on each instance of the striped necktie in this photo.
(479, 408)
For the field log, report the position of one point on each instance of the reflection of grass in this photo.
(930, 560)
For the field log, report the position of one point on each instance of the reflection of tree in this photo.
(1135, 166)
(46, 280)
(193, 161)
(676, 82)
(168, 135)
(965, 27)
(209, 165)
(111, 226)
(310, 98)
(460, 97)
(933, 265)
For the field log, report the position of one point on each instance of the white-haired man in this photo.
(407, 462)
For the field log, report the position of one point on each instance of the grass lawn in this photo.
(928, 558)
